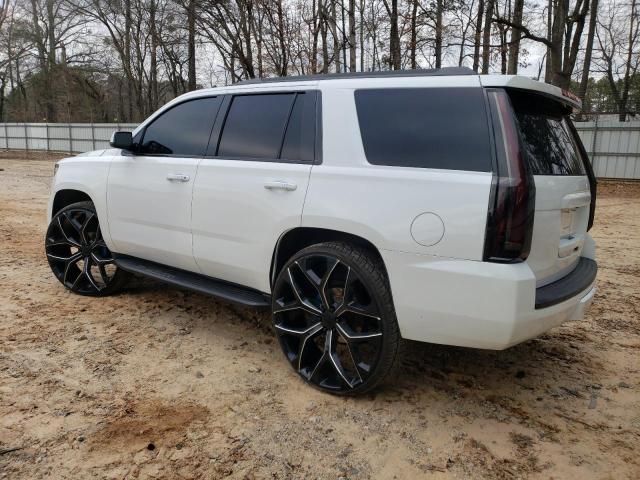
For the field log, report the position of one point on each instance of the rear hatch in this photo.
(555, 157)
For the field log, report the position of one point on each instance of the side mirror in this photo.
(123, 140)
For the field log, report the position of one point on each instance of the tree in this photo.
(618, 57)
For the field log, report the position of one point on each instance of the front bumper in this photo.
(473, 304)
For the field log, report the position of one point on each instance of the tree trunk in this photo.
(414, 33)
(191, 47)
(352, 35)
(486, 37)
(438, 39)
(514, 48)
(153, 62)
(477, 36)
(586, 66)
(394, 35)
(336, 38)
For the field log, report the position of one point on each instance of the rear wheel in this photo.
(334, 317)
(78, 255)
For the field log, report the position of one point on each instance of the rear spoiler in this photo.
(524, 83)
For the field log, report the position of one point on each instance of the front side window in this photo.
(183, 130)
(269, 127)
(443, 128)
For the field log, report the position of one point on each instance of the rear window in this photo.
(442, 128)
(549, 143)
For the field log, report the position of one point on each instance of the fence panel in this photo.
(59, 137)
(613, 146)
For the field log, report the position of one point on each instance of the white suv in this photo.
(439, 206)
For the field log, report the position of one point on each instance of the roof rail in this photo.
(387, 73)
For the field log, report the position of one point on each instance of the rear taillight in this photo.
(512, 203)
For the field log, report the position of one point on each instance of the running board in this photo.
(194, 281)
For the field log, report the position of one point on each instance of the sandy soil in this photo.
(163, 383)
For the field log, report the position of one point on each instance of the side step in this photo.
(194, 281)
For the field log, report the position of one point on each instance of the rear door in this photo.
(252, 185)
(149, 193)
(554, 156)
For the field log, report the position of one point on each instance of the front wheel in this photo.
(333, 314)
(78, 255)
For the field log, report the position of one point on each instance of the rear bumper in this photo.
(583, 275)
(477, 304)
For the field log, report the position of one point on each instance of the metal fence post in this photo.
(70, 140)
(47, 127)
(26, 138)
(93, 136)
(6, 137)
(593, 143)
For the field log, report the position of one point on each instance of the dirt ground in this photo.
(162, 383)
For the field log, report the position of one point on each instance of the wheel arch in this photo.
(67, 197)
(296, 239)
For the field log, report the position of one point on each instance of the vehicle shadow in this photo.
(557, 364)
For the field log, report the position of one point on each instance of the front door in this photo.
(149, 193)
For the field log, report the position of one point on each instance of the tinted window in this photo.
(425, 127)
(548, 141)
(300, 136)
(255, 126)
(183, 130)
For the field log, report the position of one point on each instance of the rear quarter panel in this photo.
(380, 203)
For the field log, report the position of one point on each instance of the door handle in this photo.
(177, 177)
(280, 185)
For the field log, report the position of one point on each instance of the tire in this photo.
(333, 314)
(78, 255)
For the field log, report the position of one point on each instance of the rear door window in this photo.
(270, 127)
(445, 128)
(183, 130)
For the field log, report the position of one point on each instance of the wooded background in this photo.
(119, 60)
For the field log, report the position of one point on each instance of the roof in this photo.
(432, 72)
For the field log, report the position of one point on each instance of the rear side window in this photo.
(183, 130)
(442, 128)
(270, 127)
(549, 144)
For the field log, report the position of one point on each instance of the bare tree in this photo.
(618, 56)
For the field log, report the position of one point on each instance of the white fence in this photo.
(613, 147)
(59, 137)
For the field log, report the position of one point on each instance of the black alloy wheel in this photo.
(334, 318)
(77, 253)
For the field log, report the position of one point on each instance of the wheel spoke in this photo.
(312, 332)
(333, 357)
(63, 259)
(325, 281)
(83, 231)
(100, 261)
(87, 273)
(62, 243)
(74, 223)
(356, 337)
(357, 310)
(299, 333)
(71, 261)
(69, 240)
(306, 305)
(320, 362)
(103, 274)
